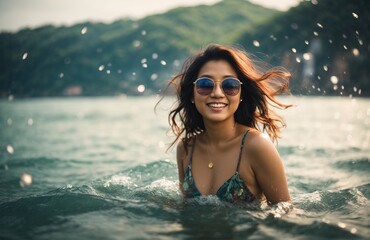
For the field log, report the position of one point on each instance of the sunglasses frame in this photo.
(214, 84)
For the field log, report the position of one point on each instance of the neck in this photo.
(217, 132)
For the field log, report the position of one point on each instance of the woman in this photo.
(222, 102)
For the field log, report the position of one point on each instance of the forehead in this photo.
(217, 68)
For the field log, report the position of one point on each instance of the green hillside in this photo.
(116, 58)
(324, 43)
(333, 37)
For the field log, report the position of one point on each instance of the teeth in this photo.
(217, 105)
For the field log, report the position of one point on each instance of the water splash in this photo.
(141, 88)
(84, 30)
(24, 56)
(9, 149)
(101, 68)
(334, 79)
(30, 121)
(136, 43)
(163, 62)
(256, 43)
(25, 179)
(155, 56)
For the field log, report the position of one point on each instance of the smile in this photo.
(216, 105)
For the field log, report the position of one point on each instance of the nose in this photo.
(217, 90)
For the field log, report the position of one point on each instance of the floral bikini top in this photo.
(233, 190)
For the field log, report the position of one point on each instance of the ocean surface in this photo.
(97, 168)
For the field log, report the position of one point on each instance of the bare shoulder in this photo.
(260, 147)
(259, 141)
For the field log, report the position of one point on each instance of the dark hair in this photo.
(258, 91)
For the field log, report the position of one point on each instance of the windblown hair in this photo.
(258, 92)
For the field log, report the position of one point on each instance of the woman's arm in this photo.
(269, 170)
(180, 156)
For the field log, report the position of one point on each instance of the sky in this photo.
(18, 14)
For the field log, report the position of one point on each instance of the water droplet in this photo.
(314, 2)
(360, 42)
(143, 32)
(25, 179)
(176, 62)
(330, 41)
(294, 26)
(256, 43)
(136, 43)
(315, 33)
(307, 56)
(355, 52)
(108, 71)
(354, 15)
(319, 25)
(359, 92)
(353, 230)
(298, 60)
(10, 98)
(154, 55)
(341, 225)
(24, 56)
(334, 79)
(9, 121)
(144, 60)
(10, 149)
(141, 88)
(345, 47)
(145, 65)
(154, 76)
(294, 50)
(30, 121)
(101, 68)
(163, 62)
(355, 89)
(119, 71)
(335, 87)
(133, 73)
(84, 30)
(325, 67)
(6, 168)
(273, 37)
(306, 42)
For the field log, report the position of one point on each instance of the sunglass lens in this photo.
(231, 86)
(204, 86)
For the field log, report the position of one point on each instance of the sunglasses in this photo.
(205, 86)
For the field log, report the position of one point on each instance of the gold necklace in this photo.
(210, 165)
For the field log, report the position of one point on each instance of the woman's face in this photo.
(217, 106)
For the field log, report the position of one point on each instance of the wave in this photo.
(360, 164)
(147, 195)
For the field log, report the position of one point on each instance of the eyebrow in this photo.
(209, 76)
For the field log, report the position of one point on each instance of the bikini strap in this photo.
(192, 151)
(241, 150)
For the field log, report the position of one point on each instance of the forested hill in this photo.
(138, 57)
(325, 43)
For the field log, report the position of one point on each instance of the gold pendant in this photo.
(210, 165)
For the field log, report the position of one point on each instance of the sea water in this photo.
(97, 168)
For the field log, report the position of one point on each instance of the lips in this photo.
(216, 105)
